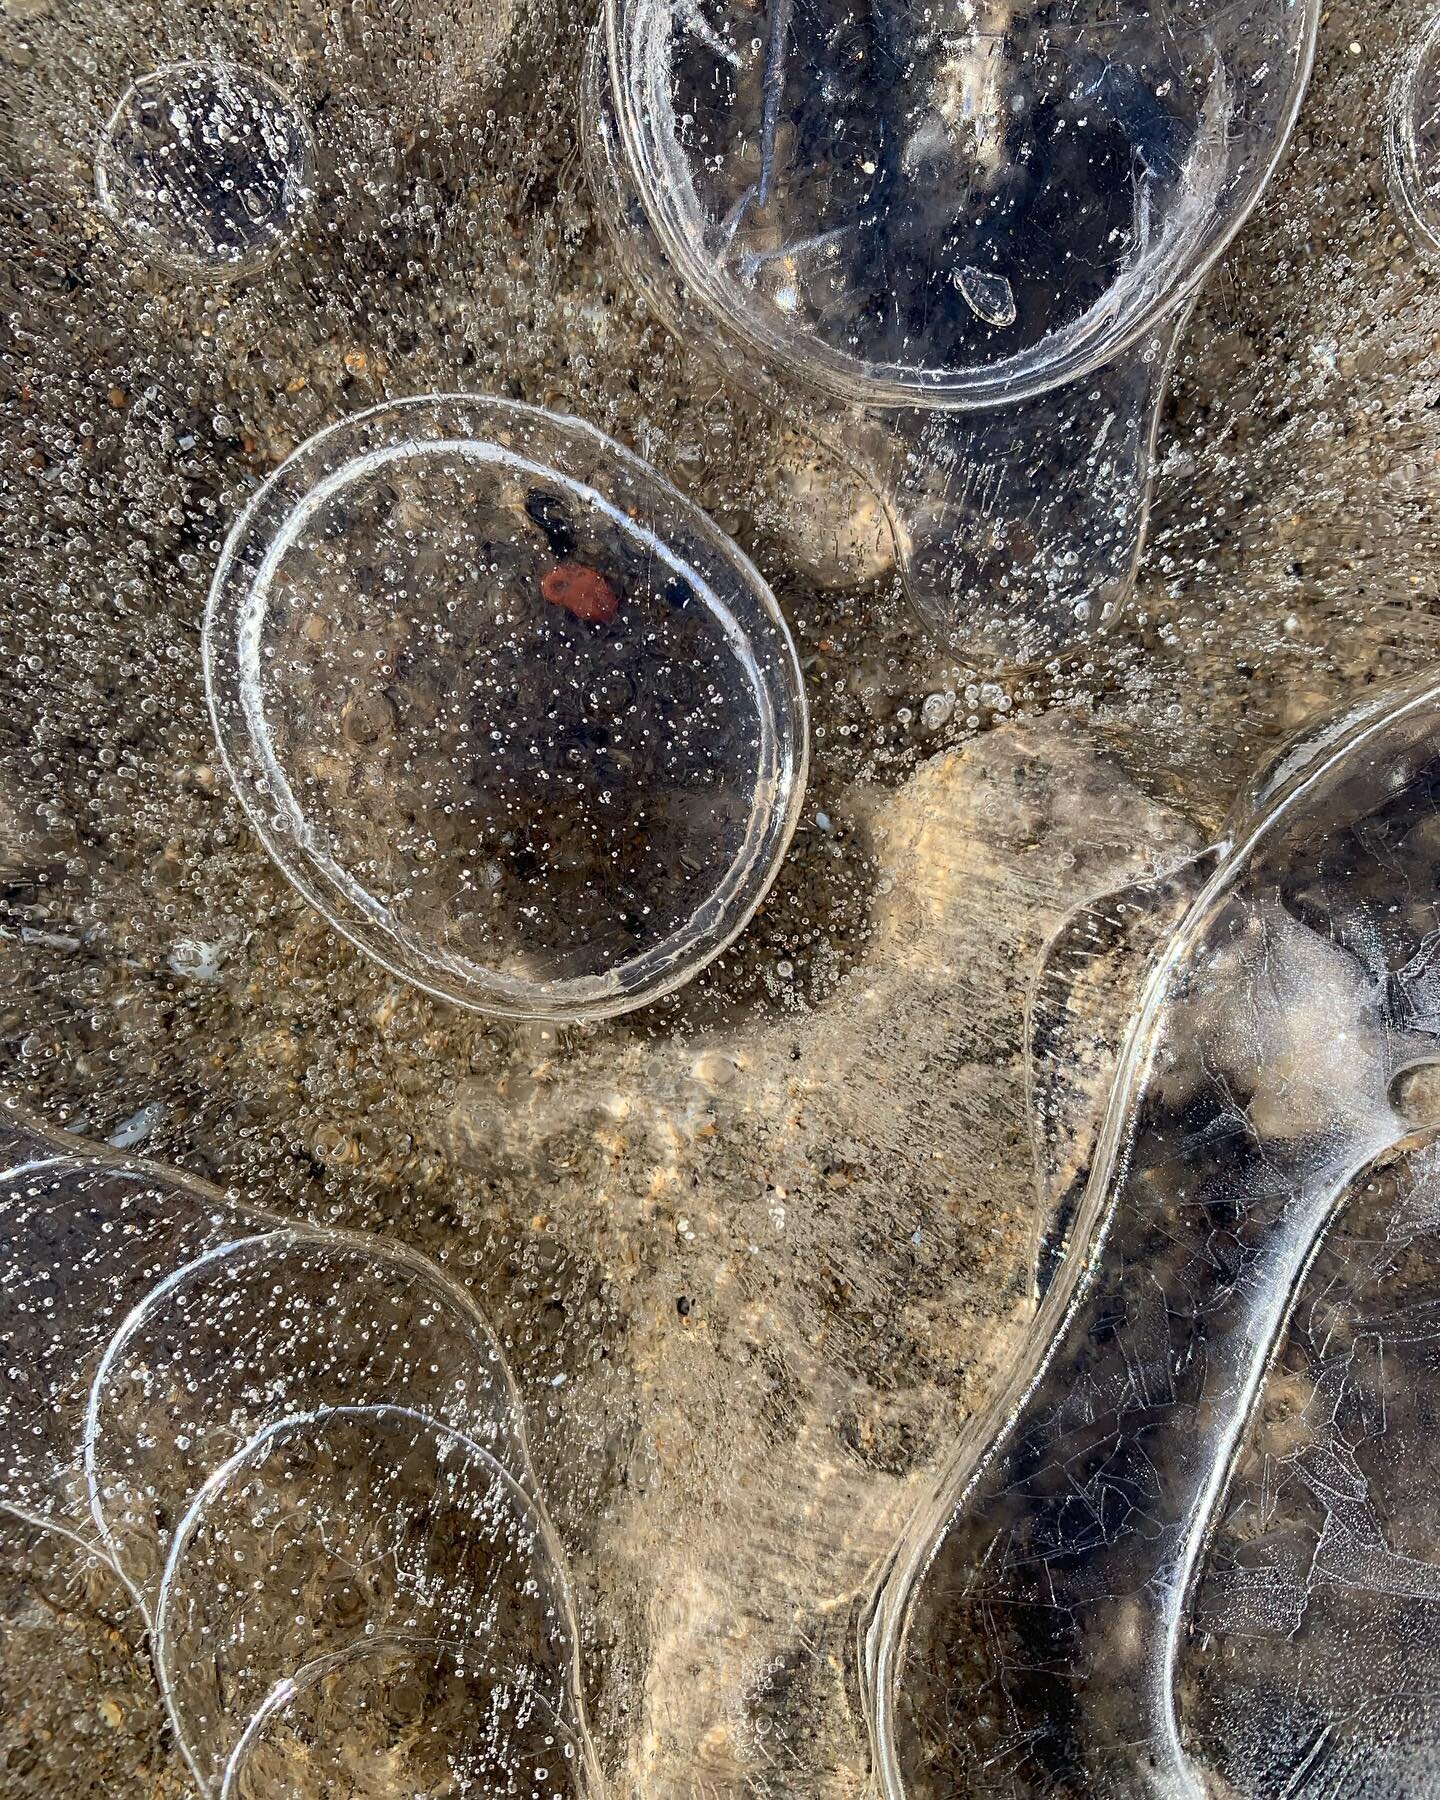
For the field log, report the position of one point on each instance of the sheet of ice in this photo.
(1029, 1633)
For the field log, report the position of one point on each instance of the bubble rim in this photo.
(782, 765)
(849, 379)
(184, 263)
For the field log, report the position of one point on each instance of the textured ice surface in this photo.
(405, 1717)
(207, 167)
(82, 1241)
(1031, 1633)
(301, 1451)
(351, 1527)
(515, 716)
(263, 1326)
(844, 1089)
(942, 225)
(1412, 146)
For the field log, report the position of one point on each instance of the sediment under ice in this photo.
(303, 1454)
(1035, 1633)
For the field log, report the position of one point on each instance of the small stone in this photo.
(582, 591)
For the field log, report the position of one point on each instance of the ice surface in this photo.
(400, 1718)
(357, 1526)
(844, 1089)
(1412, 145)
(207, 167)
(290, 1321)
(1031, 1632)
(301, 1451)
(513, 714)
(82, 1240)
(942, 226)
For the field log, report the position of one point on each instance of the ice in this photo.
(83, 1238)
(358, 1527)
(988, 295)
(419, 1711)
(962, 242)
(507, 709)
(1412, 144)
(207, 167)
(1033, 1627)
(281, 1322)
(303, 1454)
(755, 1253)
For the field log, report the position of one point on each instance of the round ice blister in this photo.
(260, 1330)
(507, 708)
(963, 238)
(207, 166)
(351, 1527)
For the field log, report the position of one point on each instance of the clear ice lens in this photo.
(207, 167)
(350, 1526)
(965, 236)
(507, 708)
(270, 1326)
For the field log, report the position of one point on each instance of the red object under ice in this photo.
(582, 591)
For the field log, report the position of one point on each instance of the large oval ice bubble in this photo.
(259, 1330)
(1029, 1637)
(964, 237)
(352, 1526)
(507, 708)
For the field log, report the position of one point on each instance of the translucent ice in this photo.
(285, 1322)
(207, 167)
(433, 1720)
(508, 709)
(83, 1239)
(963, 239)
(346, 1528)
(1030, 1634)
(303, 1453)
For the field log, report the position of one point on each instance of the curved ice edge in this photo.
(1262, 808)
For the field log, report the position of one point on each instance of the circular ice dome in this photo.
(1413, 144)
(207, 166)
(505, 706)
(969, 199)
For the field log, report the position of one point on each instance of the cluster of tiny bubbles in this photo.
(207, 167)
(293, 1446)
(457, 248)
(515, 742)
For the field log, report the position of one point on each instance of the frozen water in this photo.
(1412, 146)
(254, 1480)
(1313, 1652)
(207, 166)
(512, 713)
(82, 1239)
(1031, 1630)
(818, 1145)
(962, 210)
(287, 1322)
(357, 1526)
(413, 1718)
